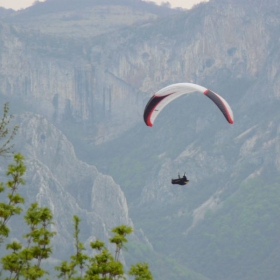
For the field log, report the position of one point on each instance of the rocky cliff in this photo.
(105, 81)
(68, 186)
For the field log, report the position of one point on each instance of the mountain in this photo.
(93, 89)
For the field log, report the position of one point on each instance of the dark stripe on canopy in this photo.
(153, 102)
(219, 102)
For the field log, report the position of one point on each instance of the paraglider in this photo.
(180, 181)
(167, 94)
(164, 96)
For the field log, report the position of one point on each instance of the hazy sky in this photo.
(21, 4)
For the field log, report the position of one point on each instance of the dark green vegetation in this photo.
(244, 232)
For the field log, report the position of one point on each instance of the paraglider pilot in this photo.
(180, 181)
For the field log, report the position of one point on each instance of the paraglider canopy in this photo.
(164, 96)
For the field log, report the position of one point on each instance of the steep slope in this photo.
(68, 186)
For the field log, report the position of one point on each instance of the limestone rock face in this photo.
(68, 186)
(105, 81)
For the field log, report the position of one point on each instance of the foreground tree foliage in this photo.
(141, 271)
(102, 265)
(24, 261)
(11, 205)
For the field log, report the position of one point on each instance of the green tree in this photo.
(13, 201)
(25, 262)
(68, 270)
(141, 271)
(102, 265)
(119, 238)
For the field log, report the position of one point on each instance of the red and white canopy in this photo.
(164, 96)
